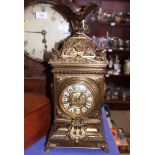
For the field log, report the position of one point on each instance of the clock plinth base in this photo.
(85, 144)
(94, 138)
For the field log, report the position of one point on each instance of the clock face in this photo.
(44, 27)
(77, 100)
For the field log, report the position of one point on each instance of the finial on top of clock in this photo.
(76, 14)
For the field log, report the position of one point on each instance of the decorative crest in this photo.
(79, 48)
(76, 15)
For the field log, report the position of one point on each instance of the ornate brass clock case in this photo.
(78, 91)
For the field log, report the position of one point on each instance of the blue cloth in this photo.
(38, 148)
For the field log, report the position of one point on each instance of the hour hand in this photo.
(43, 32)
(32, 32)
(79, 96)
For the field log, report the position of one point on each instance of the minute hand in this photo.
(80, 96)
(32, 32)
(43, 32)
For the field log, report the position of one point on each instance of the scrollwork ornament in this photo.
(61, 114)
(77, 130)
(96, 114)
(59, 78)
(79, 50)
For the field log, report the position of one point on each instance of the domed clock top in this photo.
(79, 49)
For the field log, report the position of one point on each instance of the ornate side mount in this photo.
(77, 130)
(61, 114)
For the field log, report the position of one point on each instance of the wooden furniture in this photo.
(36, 117)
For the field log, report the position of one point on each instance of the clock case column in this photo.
(94, 132)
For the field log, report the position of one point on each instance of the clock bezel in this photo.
(81, 81)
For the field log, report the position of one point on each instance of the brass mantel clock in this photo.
(78, 89)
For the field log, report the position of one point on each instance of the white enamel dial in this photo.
(44, 27)
(77, 99)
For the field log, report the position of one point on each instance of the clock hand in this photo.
(81, 94)
(43, 32)
(32, 32)
(79, 97)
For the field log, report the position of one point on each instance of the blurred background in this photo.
(109, 26)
